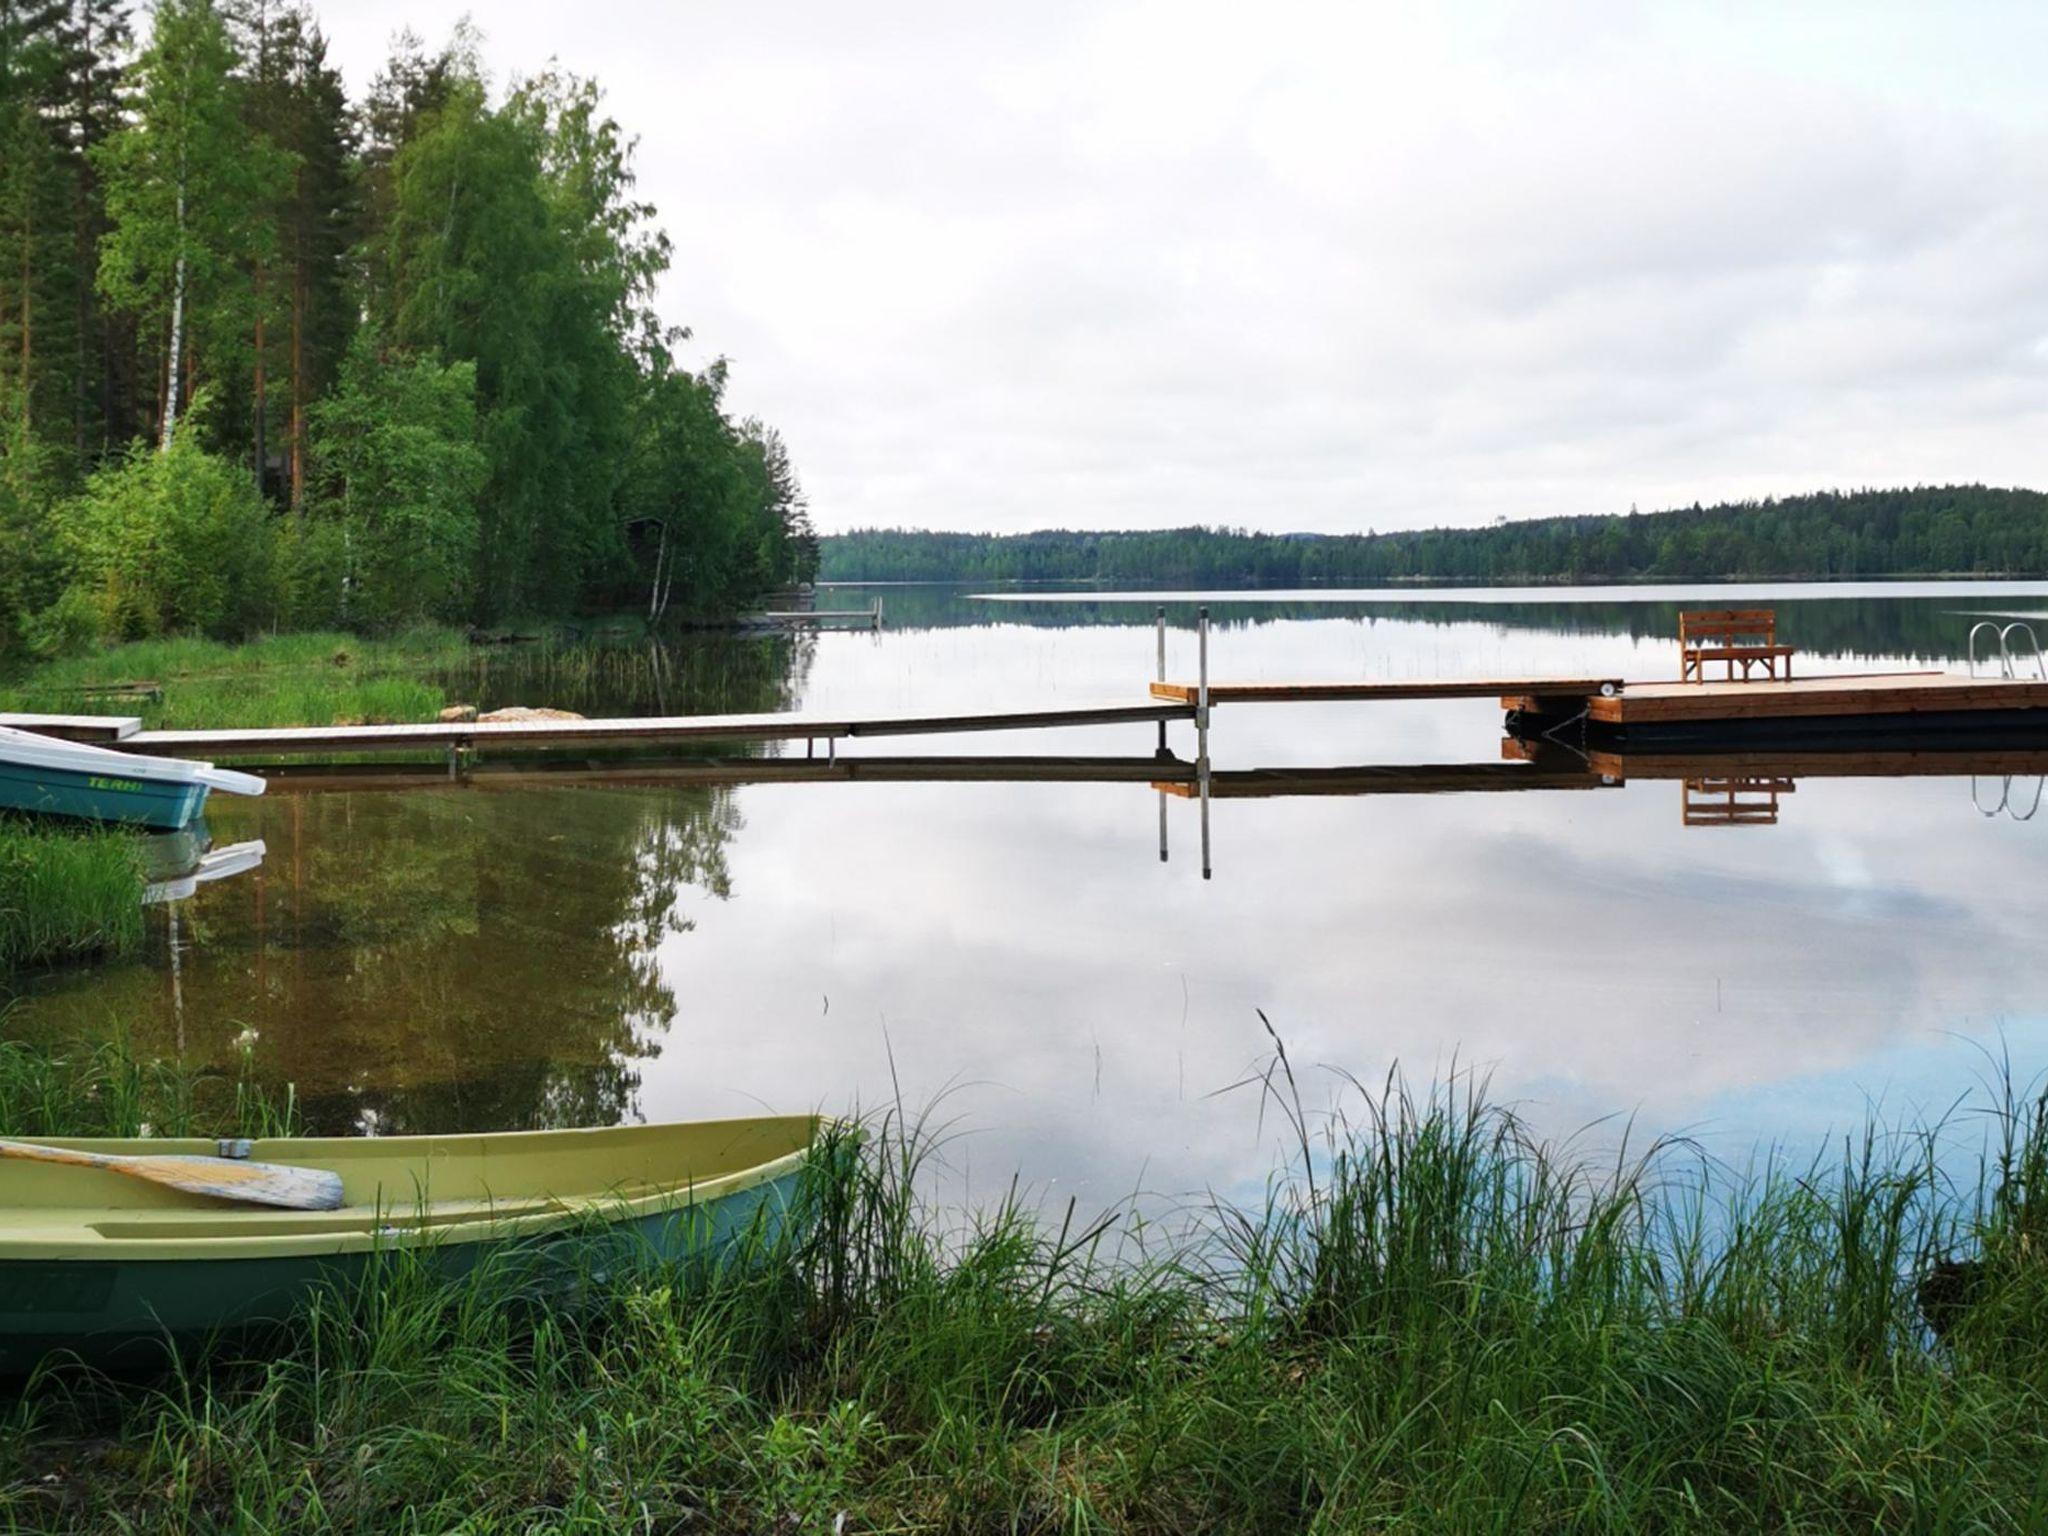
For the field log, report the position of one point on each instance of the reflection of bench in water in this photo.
(1743, 800)
(1745, 636)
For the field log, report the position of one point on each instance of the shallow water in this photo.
(496, 955)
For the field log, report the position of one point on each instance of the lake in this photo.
(1017, 959)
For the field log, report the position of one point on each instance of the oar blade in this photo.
(227, 1178)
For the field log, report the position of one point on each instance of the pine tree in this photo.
(94, 42)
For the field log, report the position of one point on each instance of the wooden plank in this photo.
(1367, 692)
(1382, 779)
(440, 735)
(1901, 693)
(1961, 763)
(103, 730)
(344, 778)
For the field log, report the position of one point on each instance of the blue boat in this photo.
(48, 777)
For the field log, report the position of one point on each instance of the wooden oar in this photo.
(224, 1178)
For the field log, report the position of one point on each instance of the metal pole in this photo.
(1202, 726)
(1159, 630)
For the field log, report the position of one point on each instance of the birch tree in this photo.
(187, 190)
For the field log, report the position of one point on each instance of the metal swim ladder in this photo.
(2008, 664)
(2006, 802)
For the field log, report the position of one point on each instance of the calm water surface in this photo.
(497, 955)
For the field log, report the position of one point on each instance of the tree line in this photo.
(1921, 531)
(271, 357)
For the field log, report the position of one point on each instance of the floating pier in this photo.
(1388, 691)
(1864, 705)
(471, 735)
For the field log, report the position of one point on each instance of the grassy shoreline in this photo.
(70, 894)
(317, 678)
(1433, 1323)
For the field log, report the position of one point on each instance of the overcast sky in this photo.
(1333, 266)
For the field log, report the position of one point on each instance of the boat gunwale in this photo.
(72, 1234)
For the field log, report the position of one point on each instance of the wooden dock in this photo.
(630, 773)
(472, 735)
(1920, 705)
(1381, 779)
(100, 730)
(1785, 763)
(1170, 775)
(1339, 692)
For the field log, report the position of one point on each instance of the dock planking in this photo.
(99, 730)
(1783, 763)
(627, 773)
(1392, 689)
(1863, 694)
(470, 735)
(1380, 779)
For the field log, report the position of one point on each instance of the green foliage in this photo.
(213, 214)
(1922, 531)
(1434, 1322)
(28, 560)
(170, 541)
(188, 194)
(400, 471)
(310, 678)
(67, 893)
(507, 249)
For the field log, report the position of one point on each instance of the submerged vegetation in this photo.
(67, 893)
(1433, 1322)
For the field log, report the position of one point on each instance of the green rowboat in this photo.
(110, 1268)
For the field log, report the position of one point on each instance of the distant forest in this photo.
(1953, 530)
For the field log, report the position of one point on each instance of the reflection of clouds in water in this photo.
(460, 952)
(1587, 949)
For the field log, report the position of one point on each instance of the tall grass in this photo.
(67, 893)
(302, 679)
(102, 1088)
(1434, 1322)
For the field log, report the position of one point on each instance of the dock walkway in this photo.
(1390, 689)
(469, 735)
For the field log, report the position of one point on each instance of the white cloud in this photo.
(1334, 266)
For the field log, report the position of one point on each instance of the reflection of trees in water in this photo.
(694, 674)
(460, 960)
(1923, 628)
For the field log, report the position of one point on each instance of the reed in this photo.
(1433, 1322)
(67, 893)
(103, 1088)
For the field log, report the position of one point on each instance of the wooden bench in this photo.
(1747, 636)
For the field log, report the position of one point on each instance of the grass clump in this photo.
(1434, 1322)
(67, 893)
(317, 678)
(102, 1088)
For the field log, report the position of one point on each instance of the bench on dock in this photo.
(1733, 635)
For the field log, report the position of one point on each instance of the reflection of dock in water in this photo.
(1742, 800)
(1742, 788)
